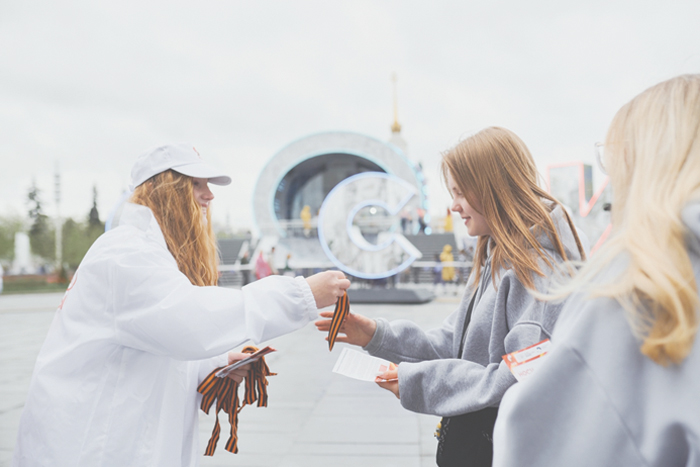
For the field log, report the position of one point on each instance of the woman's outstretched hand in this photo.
(239, 373)
(327, 286)
(356, 329)
(389, 380)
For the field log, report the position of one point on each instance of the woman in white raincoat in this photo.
(142, 323)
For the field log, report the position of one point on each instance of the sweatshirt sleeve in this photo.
(404, 341)
(561, 416)
(454, 386)
(157, 310)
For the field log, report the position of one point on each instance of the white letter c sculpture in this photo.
(359, 225)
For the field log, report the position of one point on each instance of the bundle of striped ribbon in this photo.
(225, 392)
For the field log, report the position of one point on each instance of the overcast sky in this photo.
(91, 85)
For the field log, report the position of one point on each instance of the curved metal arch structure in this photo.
(315, 165)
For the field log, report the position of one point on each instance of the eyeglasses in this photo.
(599, 153)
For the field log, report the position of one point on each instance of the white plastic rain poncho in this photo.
(115, 383)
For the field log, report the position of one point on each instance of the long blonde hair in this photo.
(653, 159)
(190, 240)
(496, 172)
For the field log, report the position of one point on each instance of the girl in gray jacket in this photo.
(621, 383)
(456, 371)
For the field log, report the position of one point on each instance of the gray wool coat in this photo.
(433, 378)
(596, 400)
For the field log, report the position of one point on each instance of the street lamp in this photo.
(59, 223)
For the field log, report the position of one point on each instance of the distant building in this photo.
(306, 170)
(303, 173)
(366, 224)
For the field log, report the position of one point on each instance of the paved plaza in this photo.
(314, 417)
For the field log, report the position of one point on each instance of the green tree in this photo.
(79, 237)
(42, 235)
(94, 216)
(95, 227)
(77, 240)
(75, 243)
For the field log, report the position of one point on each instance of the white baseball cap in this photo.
(182, 158)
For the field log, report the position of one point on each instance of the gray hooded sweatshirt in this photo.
(596, 400)
(433, 379)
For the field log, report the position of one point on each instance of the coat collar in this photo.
(142, 218)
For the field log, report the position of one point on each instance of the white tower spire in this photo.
(396, 138)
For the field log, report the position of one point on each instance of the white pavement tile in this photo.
(30, 302)
(355, 449)
(5, 457)
(359, 430)
(350, 461)
(227, 459)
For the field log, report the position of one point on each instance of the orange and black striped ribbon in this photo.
(225, 392)
(342, 307)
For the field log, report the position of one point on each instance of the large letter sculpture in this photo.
(359, 225)
(572, 184)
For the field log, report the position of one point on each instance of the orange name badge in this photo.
(524, 362)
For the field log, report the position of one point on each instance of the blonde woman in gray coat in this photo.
(621, 385)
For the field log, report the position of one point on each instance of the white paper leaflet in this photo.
(359, 365)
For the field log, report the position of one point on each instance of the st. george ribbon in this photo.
(342, 307)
